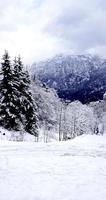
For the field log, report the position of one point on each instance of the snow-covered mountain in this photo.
(75, 77)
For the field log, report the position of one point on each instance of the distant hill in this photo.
(74, 77)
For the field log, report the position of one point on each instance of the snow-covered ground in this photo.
(73, 170)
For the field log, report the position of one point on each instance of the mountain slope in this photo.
(81, 77)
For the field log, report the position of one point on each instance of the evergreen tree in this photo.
(27, 106)
(19, 85)
(17, 106)
(8, 115)
(17, 91)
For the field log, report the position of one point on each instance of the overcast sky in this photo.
(37, 29)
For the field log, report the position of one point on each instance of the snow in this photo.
(6, 135)
(72, 170)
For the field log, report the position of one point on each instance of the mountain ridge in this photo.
(74, 77)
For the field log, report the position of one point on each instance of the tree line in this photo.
(17, 107)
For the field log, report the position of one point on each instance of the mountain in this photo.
(74, 77)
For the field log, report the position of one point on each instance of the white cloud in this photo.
(38, 29)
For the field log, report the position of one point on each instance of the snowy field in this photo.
(73, 170)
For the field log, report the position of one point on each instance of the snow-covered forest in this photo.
(17, 107)
(46, 140)
(28, 106)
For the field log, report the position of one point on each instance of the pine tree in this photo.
(8, 115)
(19, 85)
(17, 92)
(30, 108)
(17, 106)
(27, 106)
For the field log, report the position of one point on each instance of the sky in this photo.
(38, 29)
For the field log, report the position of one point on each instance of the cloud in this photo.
(21, 29)
(38, 29)
(81, 26)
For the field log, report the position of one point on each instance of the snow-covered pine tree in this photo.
(8, 115)
(17, 77)
(27, 105)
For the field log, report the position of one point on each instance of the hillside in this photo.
(67, 170)
(81, 77)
